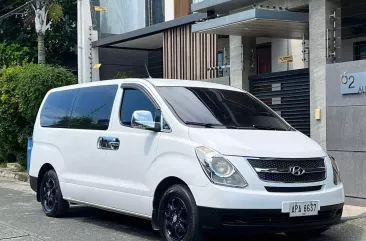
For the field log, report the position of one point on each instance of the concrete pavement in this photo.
(22, 219)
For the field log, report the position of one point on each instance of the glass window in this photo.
(134, 99)
(93, 107)
(122, 16)
(218, 108)
(360, 50)
(155, 12)
(56, 109)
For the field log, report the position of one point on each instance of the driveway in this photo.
(21, 219)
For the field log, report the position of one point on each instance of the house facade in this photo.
(303, 58)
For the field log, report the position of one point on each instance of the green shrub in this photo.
(13, 54)
(22, 89)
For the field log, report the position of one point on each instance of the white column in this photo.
(319, 21)
(240, 61)
(87, 57)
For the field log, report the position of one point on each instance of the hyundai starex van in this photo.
(189, 156)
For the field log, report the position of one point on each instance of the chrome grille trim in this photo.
(287, 170)
(277, 170)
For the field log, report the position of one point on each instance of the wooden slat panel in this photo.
(181, 8)
(188, 55)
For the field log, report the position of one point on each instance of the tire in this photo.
(178, 215)
(52, 202)
(305, 235)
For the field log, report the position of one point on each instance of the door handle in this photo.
(108, 143)
(114, 144)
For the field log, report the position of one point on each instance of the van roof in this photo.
(154, 82)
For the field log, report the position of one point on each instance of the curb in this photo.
(20, 176)
(345, 219)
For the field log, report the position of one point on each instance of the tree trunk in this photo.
(41, 49)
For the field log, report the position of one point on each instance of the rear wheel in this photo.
(178, 215)
(52, 201)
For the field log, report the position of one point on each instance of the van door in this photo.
(137, 150)
(89, 120)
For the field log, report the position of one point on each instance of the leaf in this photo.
(55, 12)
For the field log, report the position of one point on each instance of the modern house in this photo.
(304, 58)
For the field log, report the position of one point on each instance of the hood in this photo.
(257, 143)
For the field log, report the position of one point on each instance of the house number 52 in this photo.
(350, 80)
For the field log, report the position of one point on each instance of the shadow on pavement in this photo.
(118, 222)
(142, 228)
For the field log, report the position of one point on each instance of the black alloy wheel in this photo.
(52, 201)
(176, 219)
(49, 195)
(178, 215)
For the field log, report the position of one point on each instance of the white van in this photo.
(188, 155)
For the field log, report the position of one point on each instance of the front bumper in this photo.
(266, 220)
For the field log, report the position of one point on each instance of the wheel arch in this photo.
(159, 192)
(44, 169)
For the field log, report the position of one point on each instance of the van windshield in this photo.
(219, 108)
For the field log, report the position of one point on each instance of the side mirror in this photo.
(143, 119)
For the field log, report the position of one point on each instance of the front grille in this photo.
(286, 163)
(289, 178)
(293, 189)
(279, 170)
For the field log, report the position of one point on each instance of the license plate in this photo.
(300, 209)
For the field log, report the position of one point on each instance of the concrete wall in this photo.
(169, 10)
(286, 47)
(346, 130)
(347, 48)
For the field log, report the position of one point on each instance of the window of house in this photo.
(133, 100)
(220, 63)
(359, 50)
(93, 107)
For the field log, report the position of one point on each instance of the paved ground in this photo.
(21, 219)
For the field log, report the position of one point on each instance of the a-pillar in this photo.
(242, 61)
(319, 22)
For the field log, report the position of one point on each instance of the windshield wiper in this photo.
(207, 125)
(259, 127)
(240, 127)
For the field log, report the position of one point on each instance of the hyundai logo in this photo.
(297, 171)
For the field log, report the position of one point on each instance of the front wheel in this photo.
(178, 215)
(51, 197)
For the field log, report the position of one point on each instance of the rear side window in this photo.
(57, 108)
(93, 108)
(133, 100)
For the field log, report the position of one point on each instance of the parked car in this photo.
(190, 156)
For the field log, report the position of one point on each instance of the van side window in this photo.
(57, 108)
(134, 99)
(93, 107)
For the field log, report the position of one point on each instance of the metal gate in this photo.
(287, 93)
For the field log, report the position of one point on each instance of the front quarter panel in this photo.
(176, 157)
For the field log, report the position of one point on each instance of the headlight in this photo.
(336, 174)
(218, 169)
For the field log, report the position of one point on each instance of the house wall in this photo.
(286, 47)
(346, 130)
